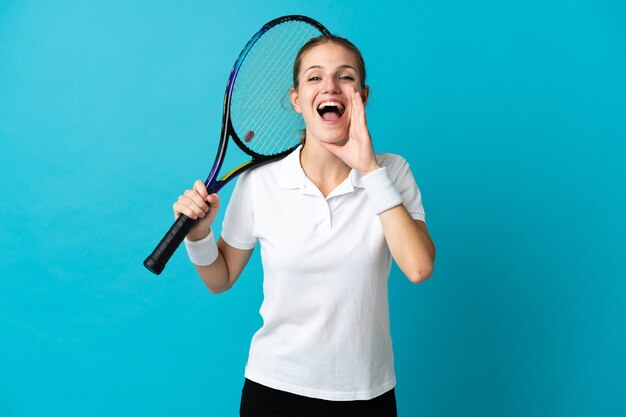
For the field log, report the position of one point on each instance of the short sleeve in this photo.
(238, 224)
(403, 179)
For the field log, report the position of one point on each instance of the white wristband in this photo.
(202, 252)
(382, 194)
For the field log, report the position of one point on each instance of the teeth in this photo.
(331, 103)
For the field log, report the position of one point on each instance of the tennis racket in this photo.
(257, 113)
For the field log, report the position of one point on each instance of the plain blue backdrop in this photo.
(512, 115)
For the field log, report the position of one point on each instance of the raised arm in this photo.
(408, 239)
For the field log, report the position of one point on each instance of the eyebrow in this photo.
(340, 67)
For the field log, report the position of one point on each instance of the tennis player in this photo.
(329, 218)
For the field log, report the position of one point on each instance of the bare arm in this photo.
(222, 274)
(408, 239)
(224, 271)
(409, 243)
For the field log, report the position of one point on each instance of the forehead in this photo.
(328, 55)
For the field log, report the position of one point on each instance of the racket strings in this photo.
(270, 60)
(266, 89)
(287, 115)
(274, 51)
(262, 84)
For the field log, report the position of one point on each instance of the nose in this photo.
(331, 85)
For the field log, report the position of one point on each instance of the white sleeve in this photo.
(403, 179)
(238, 224)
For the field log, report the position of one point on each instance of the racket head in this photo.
(257, 112)
(261, 119)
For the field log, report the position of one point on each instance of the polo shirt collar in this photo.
(292, 176)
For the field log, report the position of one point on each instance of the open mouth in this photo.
(331, 110)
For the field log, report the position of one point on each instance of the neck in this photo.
(322, 167)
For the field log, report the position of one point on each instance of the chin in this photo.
(336, 136)
(337, 140)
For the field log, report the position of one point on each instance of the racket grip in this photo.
(167, 246)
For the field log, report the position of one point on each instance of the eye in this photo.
(346, 78)
(314, 78)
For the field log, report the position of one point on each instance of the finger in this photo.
(354, 120)
(197, 199)
(201, 189)
(180, 207)
(213, 200)
(356, 109)
(190, 206)
(358, 98)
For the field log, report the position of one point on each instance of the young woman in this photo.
(329, 218)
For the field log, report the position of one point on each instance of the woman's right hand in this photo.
(198, 204)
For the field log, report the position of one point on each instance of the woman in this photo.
(329, 217)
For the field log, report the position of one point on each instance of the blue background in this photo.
(512, 115)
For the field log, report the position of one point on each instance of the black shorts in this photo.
(260, 401)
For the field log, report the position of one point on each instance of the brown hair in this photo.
(320, 40)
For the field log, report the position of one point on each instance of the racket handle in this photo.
(167, 246)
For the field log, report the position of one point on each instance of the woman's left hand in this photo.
(357, 152)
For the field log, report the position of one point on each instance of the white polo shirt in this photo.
(326, 264)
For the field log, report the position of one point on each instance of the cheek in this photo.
(304, 102)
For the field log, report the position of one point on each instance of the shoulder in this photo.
(394, 163)
(269, 170)
(270, 174)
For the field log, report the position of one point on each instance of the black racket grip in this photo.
(167, 246)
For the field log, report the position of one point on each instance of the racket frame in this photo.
(157, 260)
(213, 184)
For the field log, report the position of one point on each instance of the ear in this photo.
(293, 96)
(365, 94)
